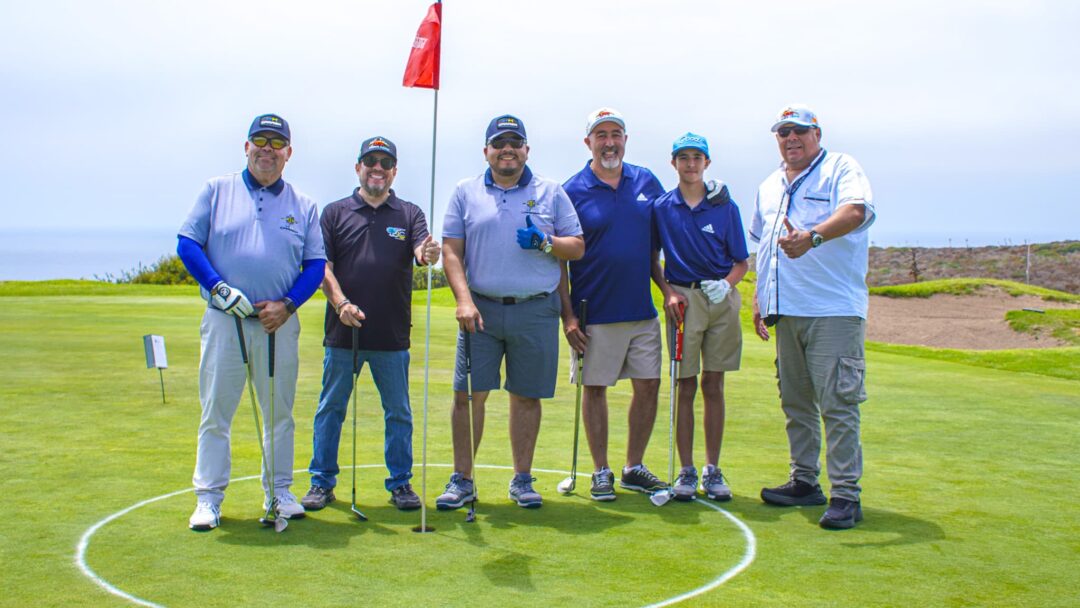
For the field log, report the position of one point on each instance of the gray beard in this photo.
(373, 191)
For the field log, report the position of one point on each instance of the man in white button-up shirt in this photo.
(810, 220)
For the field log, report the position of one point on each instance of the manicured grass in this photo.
(968, 493)
(926, 289)
(1061, 324)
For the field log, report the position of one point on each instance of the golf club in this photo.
(661, 497)
(355, 378)
(566, 486)
(471, 515)
(271, 516)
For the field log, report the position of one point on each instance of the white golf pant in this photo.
(221, 388)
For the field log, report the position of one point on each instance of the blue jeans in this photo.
(390, 370)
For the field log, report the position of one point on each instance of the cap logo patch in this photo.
(378, 143)
(270, 121)
(603, 113)
(507, 123)
(789, 113)
(396, 233)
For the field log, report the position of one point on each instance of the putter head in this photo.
(566, 486)
(470, 517)
(359, 515)
(660, 498)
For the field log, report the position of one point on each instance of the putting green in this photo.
(534, 554)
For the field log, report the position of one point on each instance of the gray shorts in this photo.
(527, 333)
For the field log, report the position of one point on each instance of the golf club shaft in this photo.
(583, 325)
(355, 375)
(271, 344)
(472, 448)
(254, 407)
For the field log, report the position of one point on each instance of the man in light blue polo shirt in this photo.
(504, 235)
(255, 246)
(704, 258)
(810, 221)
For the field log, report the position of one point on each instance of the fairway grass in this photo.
(969, 489)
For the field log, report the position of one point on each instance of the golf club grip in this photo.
(270, 344)
(468, 353)
(355, 348)
(679, 331)
(240, 336)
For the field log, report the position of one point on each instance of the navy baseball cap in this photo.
(378, 144)
(690, 140)
(505, 124)
(272, 123)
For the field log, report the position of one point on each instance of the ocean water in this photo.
(80, 254)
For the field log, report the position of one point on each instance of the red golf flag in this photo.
(423, 67)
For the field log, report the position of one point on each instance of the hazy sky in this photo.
(963, 114)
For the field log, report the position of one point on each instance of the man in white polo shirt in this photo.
(810, 221)
(254, 244)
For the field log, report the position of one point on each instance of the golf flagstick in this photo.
(661, 497)
(471, 515)
(567, 485)
(355, 378)
(269, 517)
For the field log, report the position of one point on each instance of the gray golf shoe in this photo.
(317, 498)
(685, 487)
(603, 485)
(522, 492)
(458, 492)
(714, 485)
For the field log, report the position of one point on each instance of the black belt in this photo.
(509, 300)
(691, 284)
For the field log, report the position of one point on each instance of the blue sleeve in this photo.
(309, 280)
(194, 258)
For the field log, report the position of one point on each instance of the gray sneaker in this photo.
(603, 485)
(714, 485)
(404, 498)
(641, 479)
(458, 492)
(686, 484)
(317, 498)
(522, 492)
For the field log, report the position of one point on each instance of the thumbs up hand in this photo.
(530, 237)
(796, 242)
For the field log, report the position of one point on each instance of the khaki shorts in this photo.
(712, 336)
(620, 350)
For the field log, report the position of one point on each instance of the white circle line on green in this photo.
(84, 541)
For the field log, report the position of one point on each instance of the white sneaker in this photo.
(287, 506)
(207, 516)
(714, 485)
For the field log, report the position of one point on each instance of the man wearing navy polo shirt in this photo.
(253, 243)
(810, 221)
(372, 240)
(504, 236)
(613, 200)
(704, 258)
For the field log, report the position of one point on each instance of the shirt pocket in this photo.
(815, 206)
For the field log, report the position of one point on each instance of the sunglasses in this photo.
(275, 142)
(785, 131)
(501, 142)
(385, 162)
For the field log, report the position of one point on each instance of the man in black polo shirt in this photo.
(372, 238)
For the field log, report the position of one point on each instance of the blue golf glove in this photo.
(530, 237)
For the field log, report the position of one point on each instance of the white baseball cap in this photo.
(600, 115)
(796, 114)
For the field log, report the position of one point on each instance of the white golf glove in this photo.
(717, 192)
(716, 291)
(231, 300)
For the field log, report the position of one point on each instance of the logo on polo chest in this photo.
(396, 233)
(289, 223)
(708, 228)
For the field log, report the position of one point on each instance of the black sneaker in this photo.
(794, 493)
(603, 485)
(404, 498)
(641, 479)
(841, 514)
(317, 498)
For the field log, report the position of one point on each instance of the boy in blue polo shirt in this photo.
(705, 257)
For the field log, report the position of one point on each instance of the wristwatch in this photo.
(290, 305)
(547, 243)
(816, 239)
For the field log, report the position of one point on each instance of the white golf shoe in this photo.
(207, 516)
(287, 506)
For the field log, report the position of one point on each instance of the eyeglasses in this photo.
(276, 143)
(501, 142)
(785, 131)
(385, 162)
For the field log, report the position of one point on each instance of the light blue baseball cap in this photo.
(690, 140)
